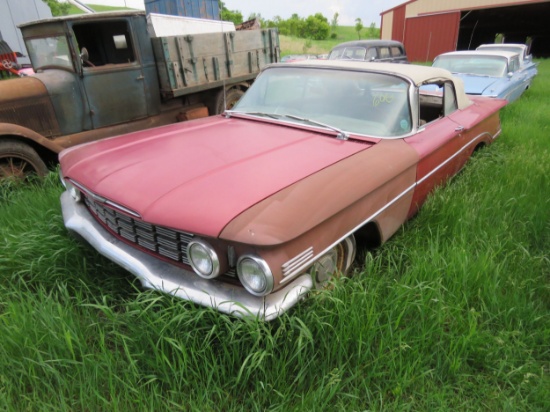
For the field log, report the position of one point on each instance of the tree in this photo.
(316, 27)
(57, 8)
(230, 15)
(334, 22)
(358, 27)
(372, 31)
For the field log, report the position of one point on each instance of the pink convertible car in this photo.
(248, 211)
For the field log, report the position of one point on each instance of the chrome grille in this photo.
(165, 242)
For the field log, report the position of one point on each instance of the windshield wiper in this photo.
(340, 136)
(228, 113)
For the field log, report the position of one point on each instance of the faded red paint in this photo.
(398, 27)
(452, 141)
(220, 167)
(428, 36)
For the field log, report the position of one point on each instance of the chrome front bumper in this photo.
(158, 274)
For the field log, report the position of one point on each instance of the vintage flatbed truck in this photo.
(100, 75)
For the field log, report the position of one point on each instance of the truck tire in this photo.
(232, 96)
(19, 160)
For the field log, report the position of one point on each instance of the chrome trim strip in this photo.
(435, 169)
(296, 260)
(157, 274)
(103, 200)
(303, 266)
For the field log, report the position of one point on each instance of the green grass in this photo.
(296, 45)
(452, 313)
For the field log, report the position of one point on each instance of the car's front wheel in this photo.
(336, 262)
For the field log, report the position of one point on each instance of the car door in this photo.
(443, 144)
(112, 75)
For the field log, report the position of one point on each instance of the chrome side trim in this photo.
(296, 271)
(435, 169)
(168, 278)
(297, 260)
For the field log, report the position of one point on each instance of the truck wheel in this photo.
(19, 160)
(232, 96)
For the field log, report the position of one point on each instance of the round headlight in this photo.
(255, 275)
(203, 259)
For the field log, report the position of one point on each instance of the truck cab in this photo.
(99, 71)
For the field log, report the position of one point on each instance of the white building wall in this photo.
(16, 12)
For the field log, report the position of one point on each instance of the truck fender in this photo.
(29, 136)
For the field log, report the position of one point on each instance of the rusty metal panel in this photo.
(205, 9)
(187, 64)
(428, 36)
(398, 28)
(37, 115)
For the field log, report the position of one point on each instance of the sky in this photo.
(348, 10)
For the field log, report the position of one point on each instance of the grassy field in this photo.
(296, 45)
(453, 313)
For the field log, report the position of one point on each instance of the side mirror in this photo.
(510, 74)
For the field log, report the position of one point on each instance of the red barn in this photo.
(431, 27)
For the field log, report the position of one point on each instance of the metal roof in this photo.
(87, 17)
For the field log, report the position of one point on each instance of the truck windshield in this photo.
(49, 52)
(371, 104)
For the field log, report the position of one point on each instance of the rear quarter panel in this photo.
(446, 144)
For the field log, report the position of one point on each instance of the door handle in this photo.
(459, 129)
(140, 77)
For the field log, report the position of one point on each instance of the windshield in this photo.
(493, 66)
(49, 51)
(370, 104)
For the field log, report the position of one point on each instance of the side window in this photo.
(384, 52)
(436, 100)
(449, 97)
(371, 53)
(106, 42)
(396, 51)
(514, 65)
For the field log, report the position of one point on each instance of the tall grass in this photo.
(452, 313)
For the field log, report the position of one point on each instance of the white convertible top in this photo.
(520, 49)
(417, 74)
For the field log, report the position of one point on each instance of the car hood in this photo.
(198, 176)
(480, 84)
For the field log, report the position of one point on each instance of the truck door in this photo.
(112, 75)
